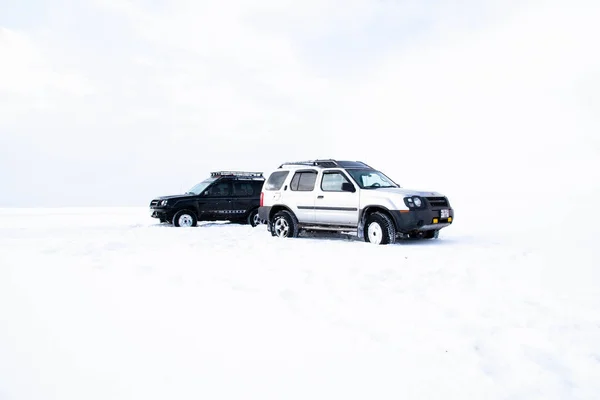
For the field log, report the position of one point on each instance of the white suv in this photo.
(349, 196)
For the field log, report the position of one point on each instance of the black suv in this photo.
(225, 196)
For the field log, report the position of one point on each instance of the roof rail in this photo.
(327, 163)
(235, 173)
(313, 163)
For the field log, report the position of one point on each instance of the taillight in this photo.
(262, 196)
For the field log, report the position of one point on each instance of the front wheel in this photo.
(284, 225)
(379, 229)
(184, 218)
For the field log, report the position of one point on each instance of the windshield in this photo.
(201, 186)
(371, 179)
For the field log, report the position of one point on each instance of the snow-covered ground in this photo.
(104, 303)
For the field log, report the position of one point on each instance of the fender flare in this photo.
(363, 217)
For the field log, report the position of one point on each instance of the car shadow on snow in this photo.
(324, 235)
(351, 237)
(200, 225)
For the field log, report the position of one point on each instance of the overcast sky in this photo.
(113, 102)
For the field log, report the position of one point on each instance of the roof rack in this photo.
(328, 163)
(236, 173)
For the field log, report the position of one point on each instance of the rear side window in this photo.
(241, 188)
(257, 186)
(276, 180)
(303, 181)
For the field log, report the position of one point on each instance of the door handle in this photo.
(319, 197)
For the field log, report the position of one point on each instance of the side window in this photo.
(241, 188)
(257, 186)
(332, 181)
(276, 180)
(219, 189)
(304, 181)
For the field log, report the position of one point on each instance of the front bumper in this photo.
(421, 220)
(160, 213)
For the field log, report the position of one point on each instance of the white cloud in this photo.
(28, 80)
(184, 87)
(488, 111)
(199, 92)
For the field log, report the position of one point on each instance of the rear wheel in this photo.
(253, 218)
(379, 229)
(184, 218)
(284, 225)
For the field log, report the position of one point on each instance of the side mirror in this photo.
(348, 187)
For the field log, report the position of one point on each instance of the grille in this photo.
(437, 202)
(153, 203)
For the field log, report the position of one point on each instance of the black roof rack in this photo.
(236, 173)
(328, 163)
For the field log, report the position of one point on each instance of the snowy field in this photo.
(104, 303)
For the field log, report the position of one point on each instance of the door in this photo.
(245, 197)
(215, 202)
(337, 200)
(300, 196)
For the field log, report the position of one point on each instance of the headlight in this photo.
(163, 203)
(413, 202)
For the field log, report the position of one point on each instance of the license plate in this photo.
(444, 213)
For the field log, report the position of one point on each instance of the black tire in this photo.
(284, 225)
(424, 235)
(185, 218)
(383, 230)
(253, 219)
(431, 234)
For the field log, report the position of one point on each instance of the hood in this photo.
(404, 192)
(176, 196)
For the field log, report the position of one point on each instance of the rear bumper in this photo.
(421, 220)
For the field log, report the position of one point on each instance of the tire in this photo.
(253, 219)
(424, 235)
(284, 225)
(431, 234)
(379, 229)
(185, 218)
